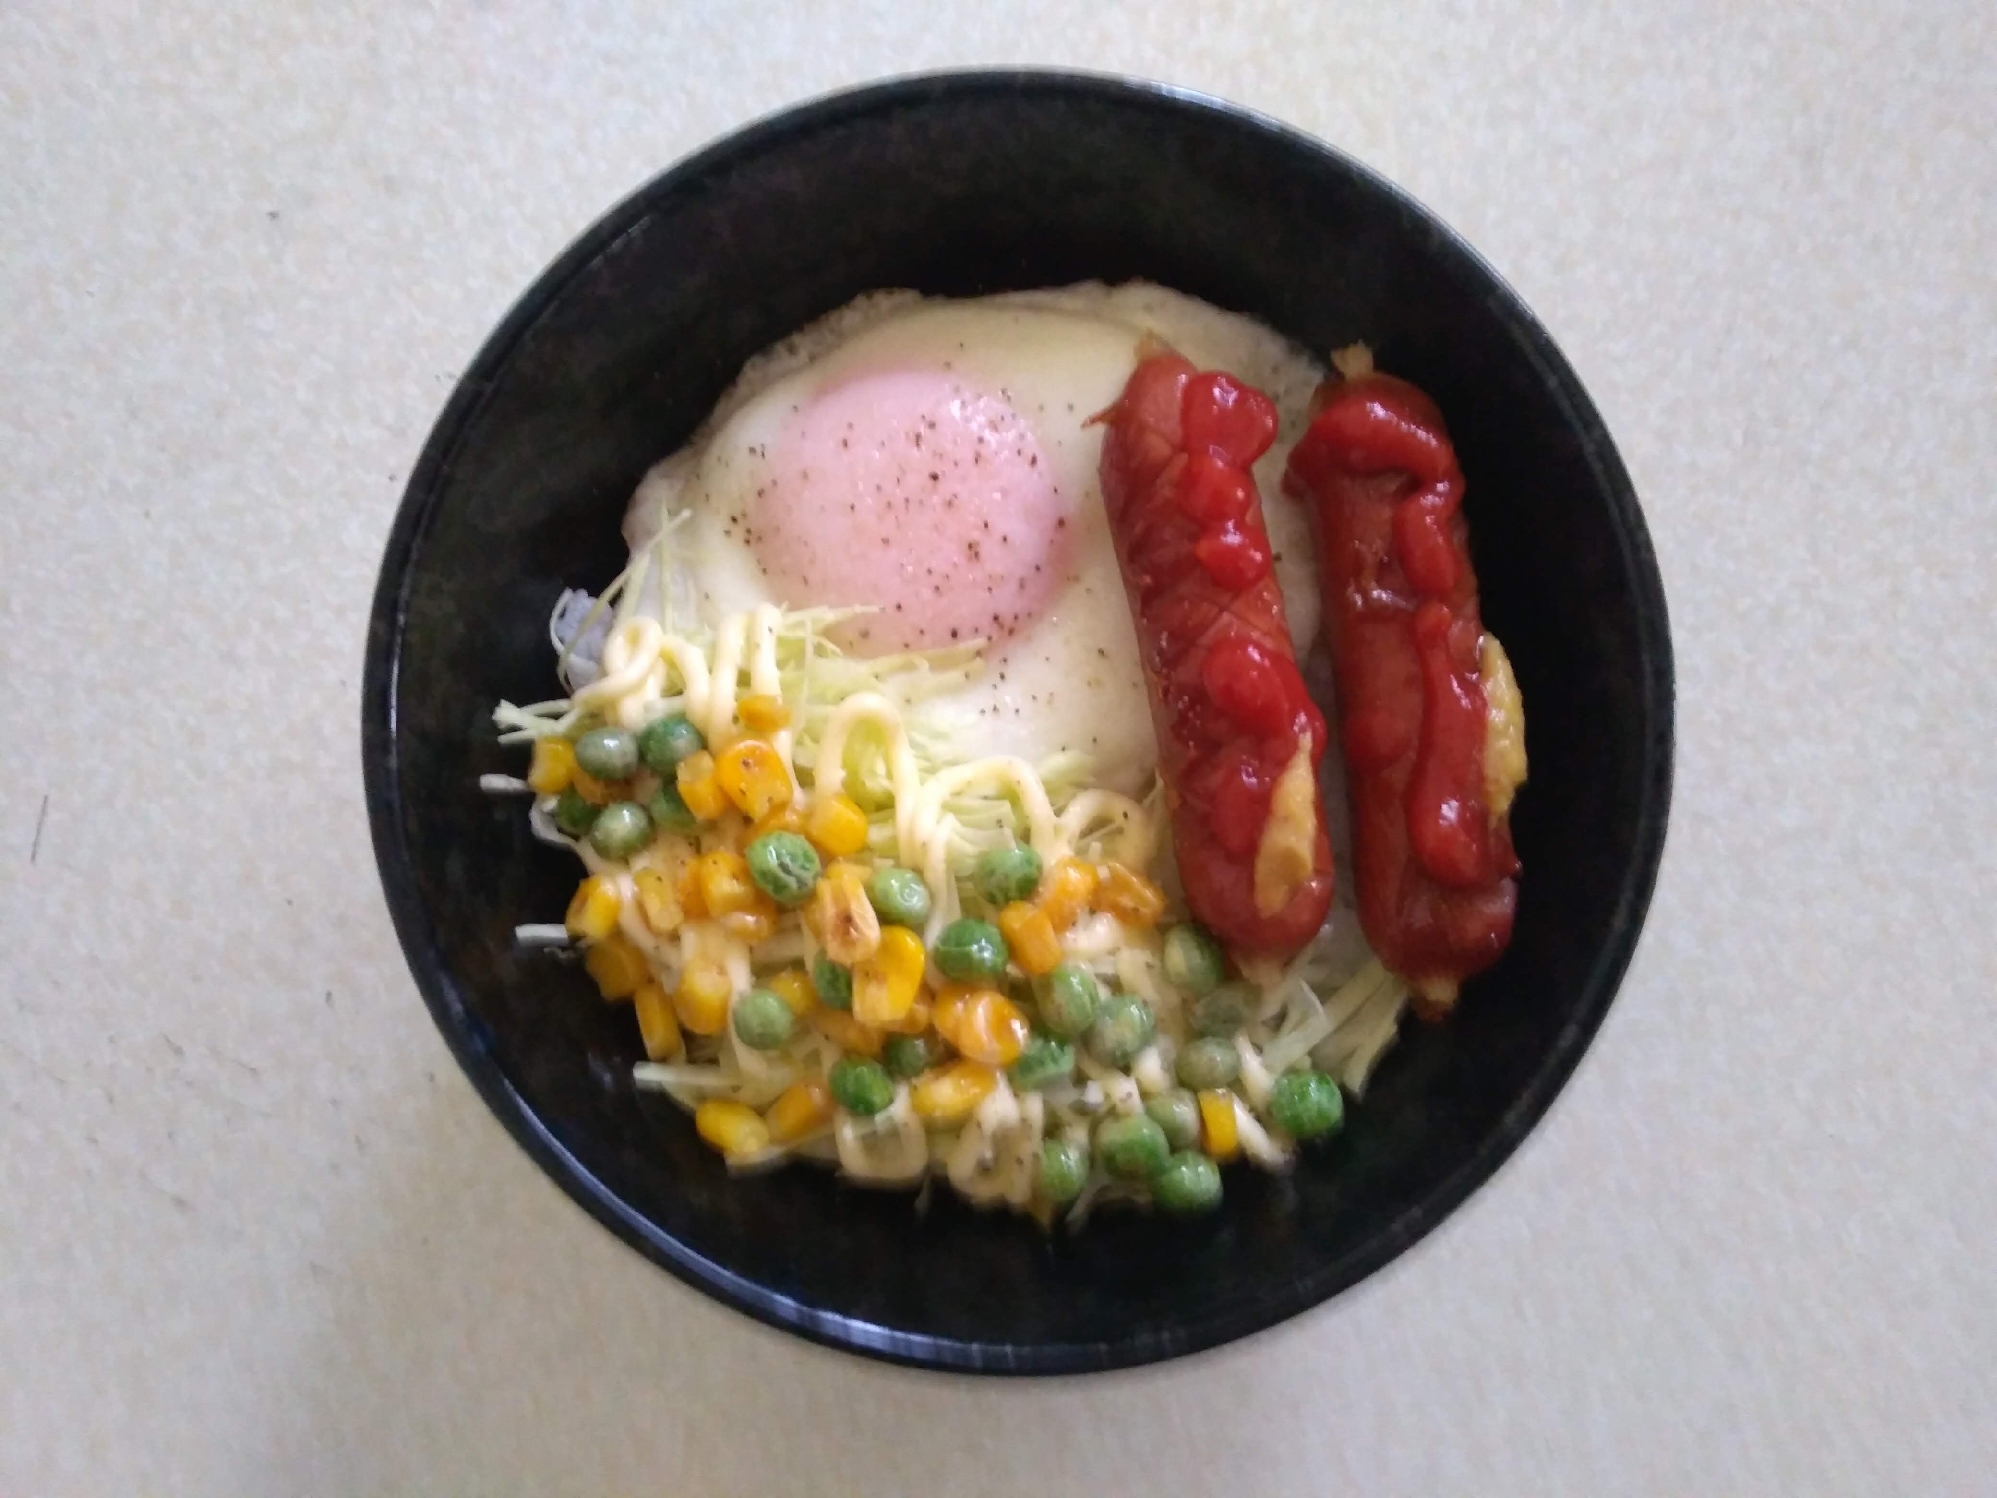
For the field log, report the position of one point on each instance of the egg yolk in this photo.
(919, 494)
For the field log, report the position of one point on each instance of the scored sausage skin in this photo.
(1238, 736)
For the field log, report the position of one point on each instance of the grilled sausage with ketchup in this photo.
(1429, 714)
(1239, 739)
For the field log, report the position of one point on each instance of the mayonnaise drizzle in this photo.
(1129, 838)
(829, 774)
(764, 623)
(717, 718)
(630, 655)
(640, 660)
(999, 772)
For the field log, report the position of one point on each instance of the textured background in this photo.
(256, 1235)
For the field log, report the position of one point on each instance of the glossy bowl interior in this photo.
(962, 184)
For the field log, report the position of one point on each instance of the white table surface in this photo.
(258, 1237)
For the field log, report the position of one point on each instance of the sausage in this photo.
(1239, 738)
(1428, 712)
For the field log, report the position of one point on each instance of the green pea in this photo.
(1194, 960)
(1069, 1006)
(861, 1086)
(967, 950)
(1189, 1182)
(784, 866)
(608, 753)
(899, 897)
(620, 829)
(1209, 1063)
(574, 815)
(833, 982)
(763, 1021)
(1064, 1170)
(1178, 1114)
(1223, 1011)
(1307, 1104)
(664, 742)
(1123, 1027)
(669, 810)
(1044, 1062)
(911, 1055)
(1132, 1146)
(1007, 874)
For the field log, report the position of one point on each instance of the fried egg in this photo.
(932, 461)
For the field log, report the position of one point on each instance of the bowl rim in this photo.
(464, 1035)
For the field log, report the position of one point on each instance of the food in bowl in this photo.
(947, 617)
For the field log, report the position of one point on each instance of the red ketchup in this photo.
(1435, 871)
(1228, 702)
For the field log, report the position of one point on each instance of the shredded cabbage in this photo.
(541, 934)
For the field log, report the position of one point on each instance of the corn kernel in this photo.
(701, 1002)
(842, 917)
(802, 1108)
(616, 965)
(553, 766)
(1220, 1131)
(657, 1026)
(983, 1024)
(1065, 892)
(794, 988)
(885, 984)
(783, 818)
(598, 792)
(839, 1027)
(950, 1093)
(912, 1023)
(659, 901)
(732, 1128)
(1128, 896)
(751, 774)
(593, 912)
(698, 787)
(1035, 945)
(725, 885)
(837, 827)
(995, 1031)
(693, 904)
(762, 713)
(948, 1008)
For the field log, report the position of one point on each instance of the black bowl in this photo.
(962, 184)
